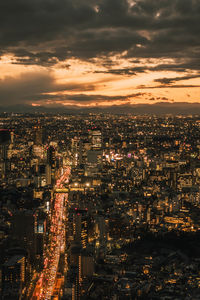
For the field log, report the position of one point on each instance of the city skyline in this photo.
(99, 206)
(83, 54)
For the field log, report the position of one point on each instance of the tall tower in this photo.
(4, 143)
(96, 139)
(38, 135)
(23, 231)
(14, 277)
(80, 227)
(94, 156)
(48, 174)
(51, 165)
(51, 156)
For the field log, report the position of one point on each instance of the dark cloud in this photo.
(180, 67)
(46, 58)
(45, 32)
(30, 87)
(42, 87)
(85, 98)
(54, 30)
(18, 90)
(169, 81)
(159, 99)
(124, 71)
(189, 64)
(164, 86)
(33, 22)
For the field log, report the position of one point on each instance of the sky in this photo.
(89, 53)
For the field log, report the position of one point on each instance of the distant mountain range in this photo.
(157, 108)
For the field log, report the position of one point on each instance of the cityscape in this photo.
(99, 206)
(99, 150)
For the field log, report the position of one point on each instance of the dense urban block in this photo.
(99, 206)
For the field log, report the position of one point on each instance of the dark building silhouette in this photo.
(51, 156)
(14, 277)
(5, 139)
(38, 135)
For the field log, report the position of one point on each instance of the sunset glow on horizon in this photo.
(87, 53)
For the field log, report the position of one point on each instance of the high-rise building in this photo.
(4, 136)
(75, 150)
(96, 139)
(94, 154)
(101, 229)
(5, 139)
(80, 227)
(23, 231)
(38, 135)
(14, 278)
(40, 234)
(48, 174)
(51, 165)
(75, 252)
(51, 156)
(85, 272)
(86, 265)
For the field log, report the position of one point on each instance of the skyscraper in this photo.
(96, 139)
(51, 165)
(51, 156)
(38, 135)
(80, 226)
(14, 277)
(4, 143)
(94, 156)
